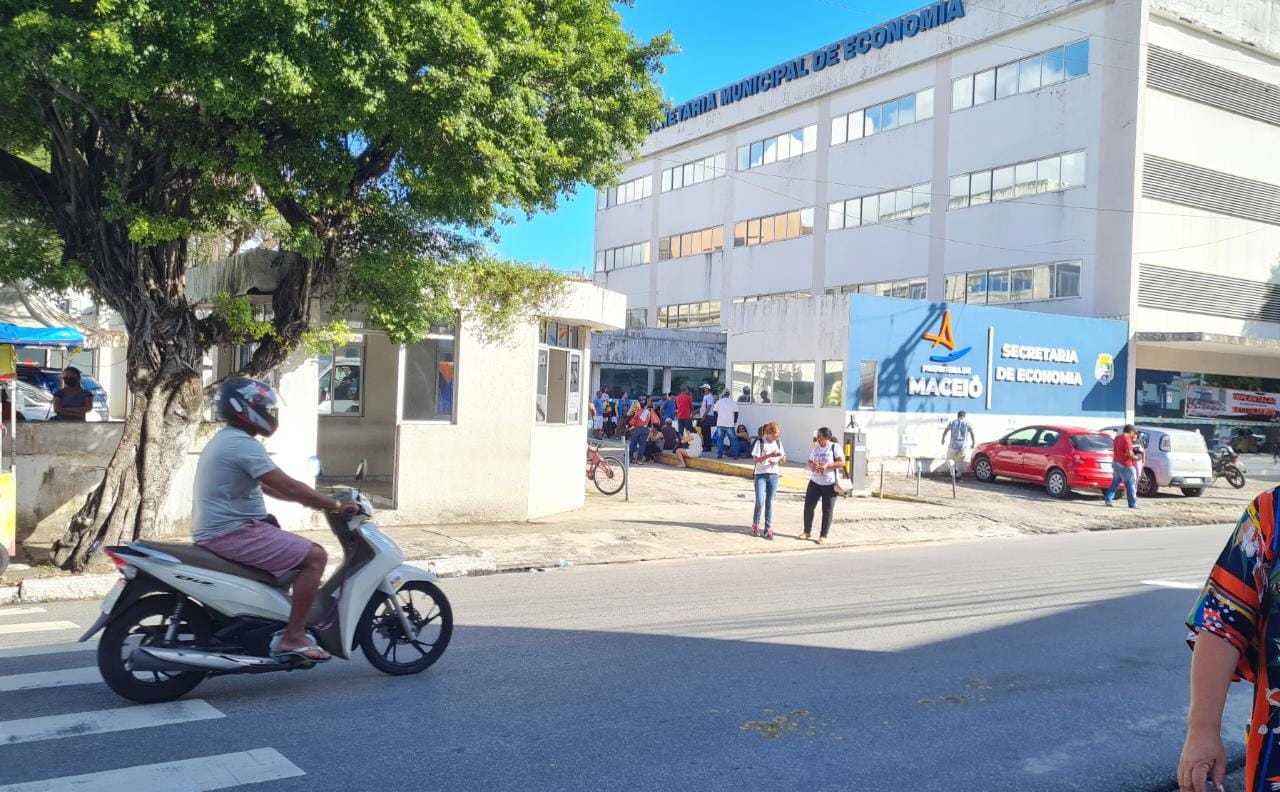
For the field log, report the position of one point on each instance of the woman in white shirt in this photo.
(768, 455)
(823, 462)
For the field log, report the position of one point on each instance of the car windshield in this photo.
(1091, 442)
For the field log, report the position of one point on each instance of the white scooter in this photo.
(180, 613)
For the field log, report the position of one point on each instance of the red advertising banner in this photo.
(1205, 402)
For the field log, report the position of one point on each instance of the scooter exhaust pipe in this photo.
(155, 658)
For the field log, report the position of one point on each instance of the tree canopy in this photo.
(375, 129)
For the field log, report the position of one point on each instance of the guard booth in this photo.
(11, 338)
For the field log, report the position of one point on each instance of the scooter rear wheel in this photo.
(381, 635)
(145, 624)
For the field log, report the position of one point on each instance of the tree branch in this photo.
(27, 179)
(373, 163)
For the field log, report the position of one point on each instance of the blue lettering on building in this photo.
(905, 26)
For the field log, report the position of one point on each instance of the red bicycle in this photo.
(606, 471)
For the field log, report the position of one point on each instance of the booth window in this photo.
(342, 380)
(833, 383)
(559, 377)
(430, 377)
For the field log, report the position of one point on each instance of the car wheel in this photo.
(1147, 486)
(1193, 492)
(1056, 484)
(983, 471)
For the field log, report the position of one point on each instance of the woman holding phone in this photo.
(768, 455)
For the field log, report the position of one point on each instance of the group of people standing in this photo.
(715, 421)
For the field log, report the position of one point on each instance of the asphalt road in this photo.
(1037, 663)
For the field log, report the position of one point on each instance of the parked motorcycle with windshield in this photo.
(180, 614)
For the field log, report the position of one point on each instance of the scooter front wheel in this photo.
(145, 623)
(381, 634)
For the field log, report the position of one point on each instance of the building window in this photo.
(637, 318)
(778, 148)
(1029, 74)
(776, 383)
(900, 204)
(908, 289)
(699, 314)
(833, 383)
(691, 243)
(895, 113)
(430, 377)
(342, 380)
(1057, 281)
(773, 228)
(696, 172)
(626, 192)
(1054, 173)
(622, 257)
(868, 377)
(787, 295)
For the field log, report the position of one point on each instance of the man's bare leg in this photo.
(305, 588)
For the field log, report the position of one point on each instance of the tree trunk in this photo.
(158, 430)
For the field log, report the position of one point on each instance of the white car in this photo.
(1172, 458)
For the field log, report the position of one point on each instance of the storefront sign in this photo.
(1206, 402)
(906, 26)
(932, 357)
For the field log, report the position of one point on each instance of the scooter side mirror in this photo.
(364, 463)
(314, 467)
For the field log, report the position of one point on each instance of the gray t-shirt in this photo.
(227, 492)
(959, 436)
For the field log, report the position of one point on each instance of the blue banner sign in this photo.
(933, 357)
(906, 26)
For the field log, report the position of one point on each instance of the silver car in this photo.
(1172, 458)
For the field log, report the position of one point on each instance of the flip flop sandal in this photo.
(300, 655)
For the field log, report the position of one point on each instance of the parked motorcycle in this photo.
(180, 614)
(1226, 464)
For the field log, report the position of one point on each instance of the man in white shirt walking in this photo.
(961, 433)
(726, 420)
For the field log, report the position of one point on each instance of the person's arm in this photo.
(763, 457)
(972, 437)
(287, 488)
(1213, 664)
(946, 432)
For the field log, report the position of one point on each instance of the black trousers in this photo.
(826, 492)
(706, 436)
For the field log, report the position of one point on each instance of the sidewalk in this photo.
(676, 513)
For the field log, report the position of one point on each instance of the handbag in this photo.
(843, 485)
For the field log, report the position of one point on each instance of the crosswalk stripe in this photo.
(48, 679)
(20, 611)
(30, 627)
(77, 724)
(46, 649)
(189, 775)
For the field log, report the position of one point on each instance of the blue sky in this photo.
(720, 41)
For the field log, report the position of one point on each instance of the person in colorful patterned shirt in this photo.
(1235, 635)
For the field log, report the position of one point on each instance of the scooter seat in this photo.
(197, 556)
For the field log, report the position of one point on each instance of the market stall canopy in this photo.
(40, 336)
(22, 307)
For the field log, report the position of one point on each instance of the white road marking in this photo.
(189, 775)
(20, 611)
(48, 679)
(30, 627)
(1191, 585)
(44, 649)
(76, 724)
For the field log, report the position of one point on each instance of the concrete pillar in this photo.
(666, 379)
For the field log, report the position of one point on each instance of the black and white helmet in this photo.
(248, 404)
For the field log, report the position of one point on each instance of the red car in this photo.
(1062, 458)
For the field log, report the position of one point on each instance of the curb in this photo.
(729, 469)
(83, 587)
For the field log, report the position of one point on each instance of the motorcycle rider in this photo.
(230, 518)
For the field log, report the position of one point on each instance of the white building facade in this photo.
(1088, 158)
